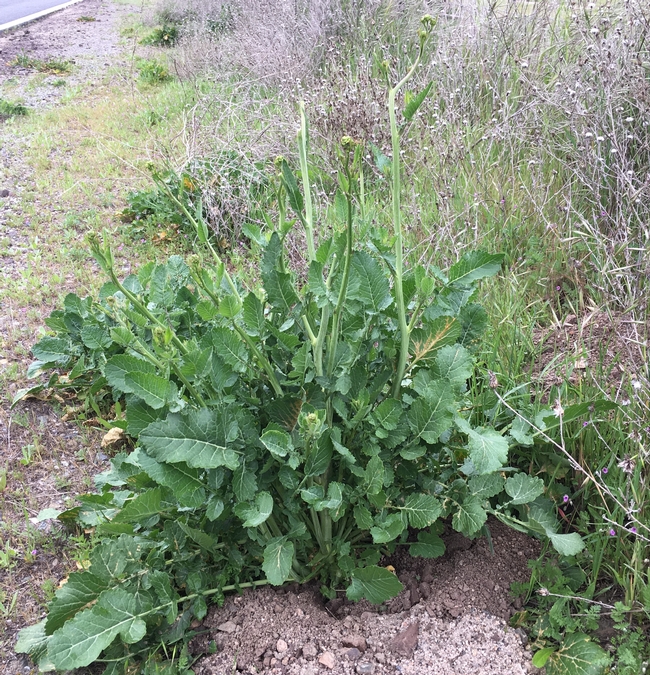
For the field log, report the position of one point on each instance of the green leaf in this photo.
(430, 415)
(52, 350)
(523, 488)
(487, 485)
(578, 655)
(454, 363)
(277, 442)
(255, 514)
(362, 517)
(253, 315)
(244, 483)
(474, 320)
(32, 640)
(387, 414)
(469, 517)
(541, 657)
(95, 337)
(141, 508)
(81, 640)
(81, 589)
(488, 450)
(291, 187)
(153, 389)
(230, 347)
(120, 365)
(278, 557)
(368, 283)
(388, 529)
(416, 101)
(429, 545)
(375, 584)
(180, 478)
(567, 544)
(475, 265)
(374, 476)
(319, 457)
(229, 306)
(199, 437)
(280, 291)
(422, 510)
(139, 416)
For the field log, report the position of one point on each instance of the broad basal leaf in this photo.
(376, 584)
(244, 483)
(52, 350)
(81, 640)
(179, 477)
(199, 437)
(153, 389)
(422, 510)
(388, 529)
(143, 507)
(487, 485)
(567, 544)
(278, 557)
(277, 442)
(120, 365)
(578, 655)
(523, 488)
(454, 363)
(387, 414)
(374, 476)
(81, 589)
(253, 315)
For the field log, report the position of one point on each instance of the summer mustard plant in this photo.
(286, 432)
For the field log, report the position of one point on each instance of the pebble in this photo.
(365, 669)
(406, 641)
(227, 627)
(355, 641)
(327, 659)
(353, 654)
(309, 650)
(281, 646)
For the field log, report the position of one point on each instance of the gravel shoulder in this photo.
(450, 619)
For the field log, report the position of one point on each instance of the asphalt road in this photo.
(10, 10)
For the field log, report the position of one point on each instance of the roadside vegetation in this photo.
(283, 335)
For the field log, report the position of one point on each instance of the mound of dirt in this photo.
(450, 619)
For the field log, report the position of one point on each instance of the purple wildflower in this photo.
(605, 470)
(565, 499)
(612, 532)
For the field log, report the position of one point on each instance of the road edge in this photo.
(37, 15)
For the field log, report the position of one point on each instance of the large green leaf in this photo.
(181, 479)
(374, 476)
(278, 557)
(52, 350)
(95, 337)
(81, 589)
(153, 389)
(430, 415)
(578, 655)
(230, 347)
(388, 528)
(368, 284)
(523, 488)
(488, 450)
(144, 506)
(244, 483)
(567, 544)
(454, 363)
(33, 640)
(120, 365)
(280, 291)
(375, 584)
(81, 640)
(253, 315)
(199, 437)
(487, 485)
(422, 510)
(387, 414)
(319, 457)
(474, 266)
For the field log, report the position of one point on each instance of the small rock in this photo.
(327, 659)
(228, 627)
(380, 657)
(425, 590)
(281, 646)
(353, 654)
(309, 650)
(356, 641)
(414, 595)
(406, 641)
(4, 193)
(365, 668)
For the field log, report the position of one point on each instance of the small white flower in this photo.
(636, 385)
(629, 119)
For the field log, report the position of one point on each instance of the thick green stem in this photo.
(303, 149)
(397, 223)
(261, 359)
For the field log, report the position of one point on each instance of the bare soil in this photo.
(451, 617)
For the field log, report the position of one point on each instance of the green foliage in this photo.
(290, 432)
(152, 72)
(9, 109)
(162, 36)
